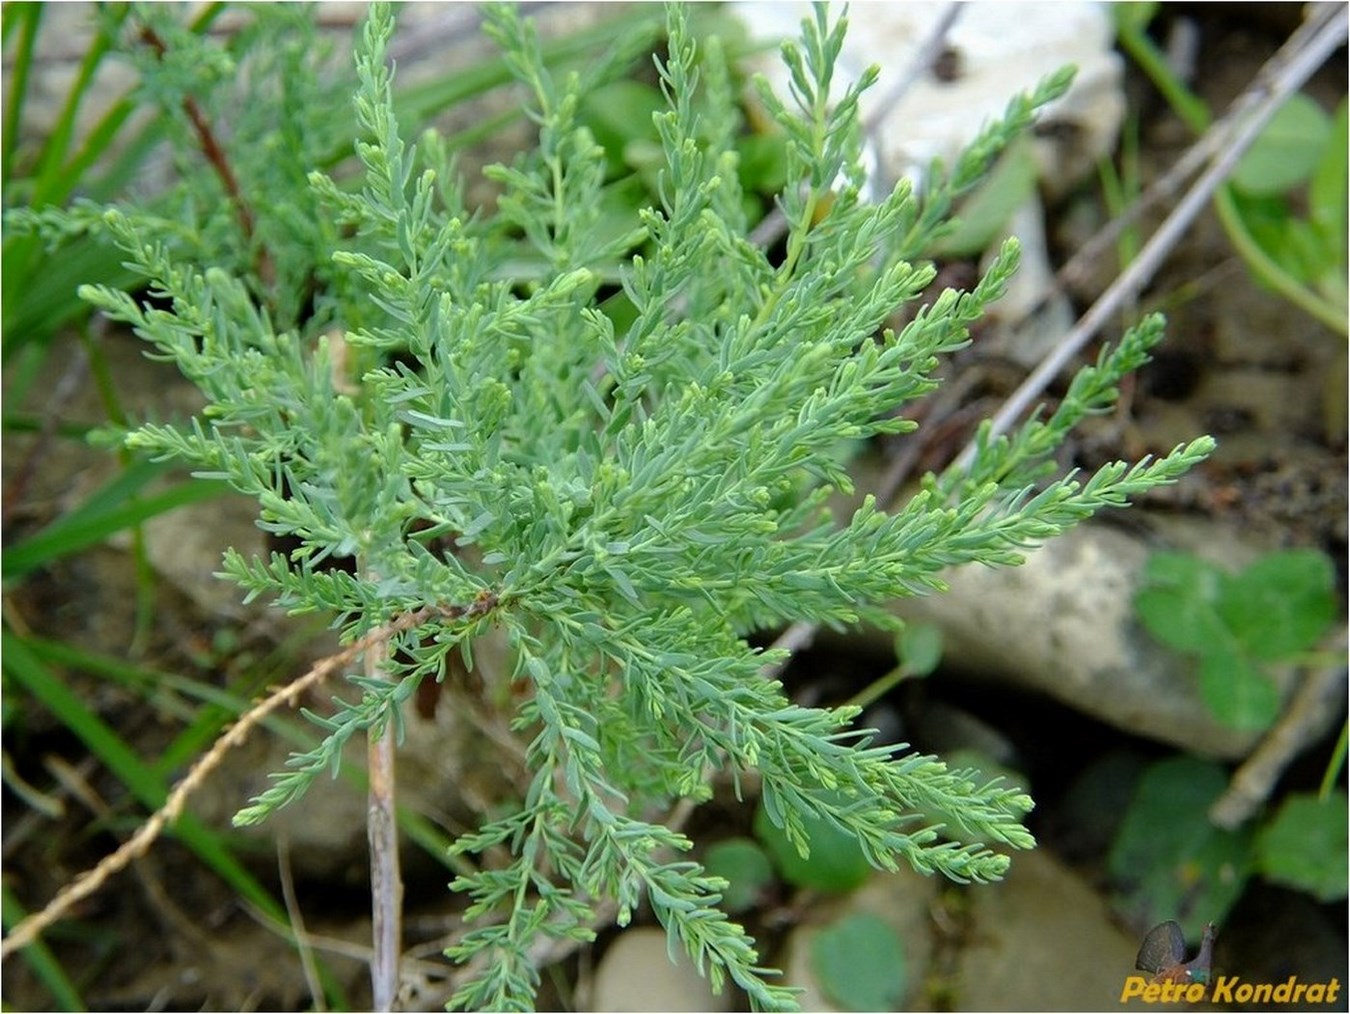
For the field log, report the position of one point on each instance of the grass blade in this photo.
(23, 665)
(40, 958)
(92, 525)
(27, 16)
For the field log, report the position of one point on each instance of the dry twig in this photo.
(219, 162)
(87, 883)
(297, 921)
(1319, 695)
(1293, 70)
(386, 884)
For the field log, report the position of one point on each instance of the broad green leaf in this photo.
(618, 114)
(67, 536)
(1305, 846)
(836, 862)
(1281, 604)
(1236, 692)
(619, 205)
(1169, 861)
(919, 648)
(859, 962)
(1176, 603)
(745, 868)
(1287, 151)
(1302, 253)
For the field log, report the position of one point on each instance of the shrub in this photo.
(626, 504)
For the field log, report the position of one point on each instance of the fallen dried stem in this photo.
(1319, 697)
(139, 843)
(1293, 70)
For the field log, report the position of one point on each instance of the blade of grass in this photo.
(27, 16)
(38, 287)
(31, 365)
(106, 386)
(95, 144)
(52, 184)
(230, 705)
(122, 487)
(145, 679)
(49, 178)
(24, 666)
(123, 168)
(103, 741)
(40, 958)
(9, 19)
(1121, 189)
(94, 524)
(106, 130)
(45, 300)
(56, 177)
(22, 422)
(1335, 764)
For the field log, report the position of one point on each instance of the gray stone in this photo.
(902, 900)
(1041, 940)
(637, 974)
(1063, 624)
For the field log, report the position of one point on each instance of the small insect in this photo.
(1164, 954)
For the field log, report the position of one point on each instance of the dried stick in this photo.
(1129, 282)
(87, 883)
(386, 885)
(1321, 693)
(297, 920)
(1170, 183)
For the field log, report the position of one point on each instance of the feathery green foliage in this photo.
(628, 504)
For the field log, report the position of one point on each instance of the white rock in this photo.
(637, 974)
(1063, 624)
(999, 48)
(1027, 332)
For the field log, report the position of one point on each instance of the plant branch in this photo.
(1285, 72)
(139, 843)
(220, 163)
(774, 225)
